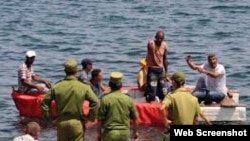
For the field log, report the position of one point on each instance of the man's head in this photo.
(178, 79)
(33, 129)
(70, 66)
(159, 37)
(30, 57)
(115, 81)
(87, 64)
(212, 60)
(97, 75)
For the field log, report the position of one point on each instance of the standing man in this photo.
(157, 67)
(211, 86)
(69, 95)
(26, 76)
(182, 106)
(115, 112)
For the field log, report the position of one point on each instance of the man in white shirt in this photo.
(211, 86)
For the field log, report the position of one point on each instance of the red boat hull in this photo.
(30, 106)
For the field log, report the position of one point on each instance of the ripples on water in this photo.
(114, 34)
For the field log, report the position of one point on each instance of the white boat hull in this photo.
(214, 112)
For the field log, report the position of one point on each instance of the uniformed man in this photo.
(69, 95)
(115, 112)
(182, 106)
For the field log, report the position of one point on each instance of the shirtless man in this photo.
(157, 67)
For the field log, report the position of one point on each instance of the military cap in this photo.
(178, 77)
(116, 77)
(70, 65)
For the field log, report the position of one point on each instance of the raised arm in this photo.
(190, 63)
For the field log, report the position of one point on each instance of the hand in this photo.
(135, 135)
(168, 123)
(40, 88)
(54, 120)
(188, 58)
(47, 83)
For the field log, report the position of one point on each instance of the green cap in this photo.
(178, 76)
(70, 65)
(116, 77)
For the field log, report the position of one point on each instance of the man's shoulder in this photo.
(221, 66)
(151, 43)
(26, 137)
(165, 44)
(22, 66)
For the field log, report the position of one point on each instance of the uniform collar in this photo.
(70, 77)
(181, 89)
(115, 91)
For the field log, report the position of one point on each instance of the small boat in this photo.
(30, 106)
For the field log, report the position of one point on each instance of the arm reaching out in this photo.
(190, 63)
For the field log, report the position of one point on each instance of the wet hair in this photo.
(95, 72)
(32, 128)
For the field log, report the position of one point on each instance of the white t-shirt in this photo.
(216, 84)
(26, 137)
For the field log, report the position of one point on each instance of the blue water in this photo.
(114, 34)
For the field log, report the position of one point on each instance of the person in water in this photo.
(32, 132)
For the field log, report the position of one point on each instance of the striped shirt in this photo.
(24, 73)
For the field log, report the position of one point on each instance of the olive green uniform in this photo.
(182, 107)
(115, 112)
(69, 95)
